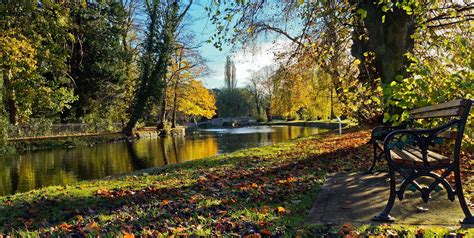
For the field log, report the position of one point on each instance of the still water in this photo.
(27, 171)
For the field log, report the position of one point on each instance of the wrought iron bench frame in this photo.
(422, 139)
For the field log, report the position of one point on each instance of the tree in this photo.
(36, 83)
(383, 34)
(196, 100)
(159, 46)
(230, 74)
(101, 64)
(234, 103)
(255, 86)
(261, 85)
(187, 65)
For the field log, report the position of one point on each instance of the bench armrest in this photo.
(419, 137)
(380, 132)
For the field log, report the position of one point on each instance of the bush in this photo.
(261, 118)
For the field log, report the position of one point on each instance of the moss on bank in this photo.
(264, 191)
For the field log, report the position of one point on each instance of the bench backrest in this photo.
(458, 108)
(454, 108)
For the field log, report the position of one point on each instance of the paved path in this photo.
(356, 198)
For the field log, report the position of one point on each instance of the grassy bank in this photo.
(328, 124)
(258, 192)
(54, 142)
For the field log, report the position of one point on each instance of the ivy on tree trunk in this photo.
(383, 44)
(154, 73)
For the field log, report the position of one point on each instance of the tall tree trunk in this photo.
(389, 41)
(152, 84)
(162, 116)
(257, 104)
(10, 100)
(3, 118)
(175, 103)
(269, 114)
(332, 106)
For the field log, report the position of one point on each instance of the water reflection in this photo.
(32, 170)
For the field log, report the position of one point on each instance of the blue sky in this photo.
(245, 61)
(203, 28)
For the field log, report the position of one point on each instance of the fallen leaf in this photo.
(103, 192)
(281, 210)
(127, 235)
(92, 226)
(66, 227)
(265, 209)
(164, 203)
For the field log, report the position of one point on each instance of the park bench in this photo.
(424, 152)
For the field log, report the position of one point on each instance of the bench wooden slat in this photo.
(450, 112)
(441, 159)
(450, 104)
(402, 157)
(411, 155)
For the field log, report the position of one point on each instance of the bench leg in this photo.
(384, 216)
(374, 161)
(469, 219)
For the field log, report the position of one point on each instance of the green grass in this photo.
(267, 191)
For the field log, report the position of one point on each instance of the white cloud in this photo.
(246, 60)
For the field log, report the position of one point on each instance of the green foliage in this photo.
(435, 80)
(234, 103)
(34, 45)
(159, 46)
(73, 62)
(58, 53)
(102, 67)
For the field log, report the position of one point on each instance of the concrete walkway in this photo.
(356, 198)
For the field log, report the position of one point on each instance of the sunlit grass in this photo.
(216, 195)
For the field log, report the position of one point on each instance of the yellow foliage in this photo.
(17, 55)
(196, 100)
(303, 90)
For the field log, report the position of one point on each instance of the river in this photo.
(31, 170)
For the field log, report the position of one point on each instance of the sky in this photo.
(245, 61)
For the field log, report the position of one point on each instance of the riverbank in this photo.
(325, 124)
(87, 139)
(264, 191)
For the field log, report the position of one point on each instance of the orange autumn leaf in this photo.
(202, 179)
(281, 210)
(164, 203)
(347, 225)
(102, 192)
(265, 232)
(179, 229)
(65, 226)
(127, 235)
